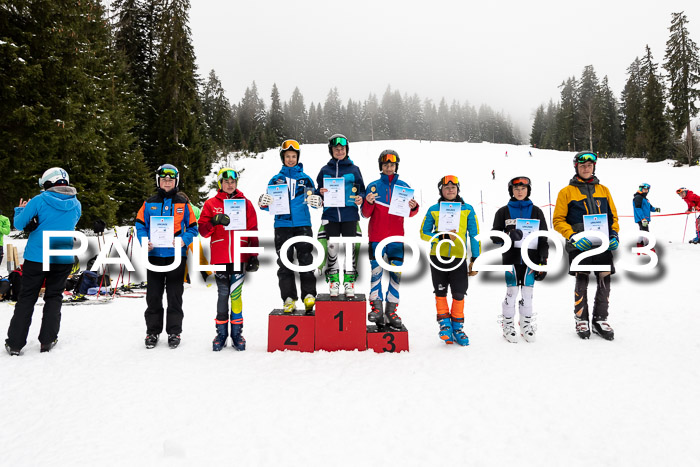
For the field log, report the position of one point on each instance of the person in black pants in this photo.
(55, 209)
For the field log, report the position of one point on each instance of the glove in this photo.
(264, 200)
(471, 266)
(220, 219)
(516, 235)
(540, 275)
(314, 201)
(31, 225)
(253, 264)
(614, 243)
(645, 222)
(657, 210)
(582, 244)
(99, 226)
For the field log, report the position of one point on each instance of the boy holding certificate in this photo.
(292, 219)
(227, 211)
(586, 205)
(166, 221)
(388, 201)
(446, 226)
(341, 185)
(518, 219)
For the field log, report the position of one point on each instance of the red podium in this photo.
(386, 339)
(340, 322)
(290, 331)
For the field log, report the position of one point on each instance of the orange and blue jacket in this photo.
(467, 232)
(160, 204)
(581, 198)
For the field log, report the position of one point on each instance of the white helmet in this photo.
(52, 177)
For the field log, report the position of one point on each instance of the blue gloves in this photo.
(582, 244)
(614, 243)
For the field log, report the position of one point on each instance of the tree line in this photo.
(652, 118)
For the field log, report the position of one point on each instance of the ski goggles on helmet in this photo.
(645, 185)
(681, 190)
(520, 181)
(389, 158)
(227, 173)
(290, 144)
(587, 157)
(449, 179)
(339, 141)
(167, 173)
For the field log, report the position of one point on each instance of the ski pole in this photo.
(121, 270)
(549, 189)
(483, 219)
(686, 227)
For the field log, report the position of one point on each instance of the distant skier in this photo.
(585, 196)
(453, 271)
(520, 276)
(493, 174)
(530, 152)
(506, 153)
(642, 212)
(693, 202)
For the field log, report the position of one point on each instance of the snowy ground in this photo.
(101, 398)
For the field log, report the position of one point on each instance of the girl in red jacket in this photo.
(693, 202)
(213, 223)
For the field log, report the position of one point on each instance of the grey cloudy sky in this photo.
(510, 55)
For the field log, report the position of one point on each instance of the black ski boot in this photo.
(392, 318)
(11, 351)
(173, 340)
(49, 346)
(603, 329)
(151, 340)
(376, 314)
(582, 329)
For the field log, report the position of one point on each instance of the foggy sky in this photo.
(509, 55)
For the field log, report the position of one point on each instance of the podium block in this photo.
(290, 331)
(340, 323)
(386, 339)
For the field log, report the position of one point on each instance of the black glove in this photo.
(99, 226)
(220, 219)
(31, 225)
(253, 264)
(516, 234)
(657, 209)
(540, 275)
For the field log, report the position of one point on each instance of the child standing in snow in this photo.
(383, 224)
(642, 212)
(450, 270)
(693, 202)
(520, 276)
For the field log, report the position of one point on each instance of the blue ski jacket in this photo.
(298, 186)
(642, 207)
(346, 169)
(58, 209)
(167, 204)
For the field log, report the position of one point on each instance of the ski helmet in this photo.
(338, 140)
(681, 190)
(53, 177)
(520, 181)
(448, 179)
(226, 172)
(643, 186)
(389, 155)
(167, 170)
(290, 145)
(585, 156)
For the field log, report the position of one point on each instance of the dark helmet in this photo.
(520, 181)
(290, 145)
(585, 156)
(389, 155)
(448, 179)
(338, 139)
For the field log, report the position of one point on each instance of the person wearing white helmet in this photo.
(55, 209)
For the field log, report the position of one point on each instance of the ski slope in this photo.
(101, 398)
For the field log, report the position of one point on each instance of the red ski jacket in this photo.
(222, 244)
(692, 200)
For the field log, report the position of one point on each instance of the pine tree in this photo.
(682, 64)
(216, 112)
(333, 112)
(538, 128)
(654, 124)
(567, 117)
(631, 110)
(609, 131)
(295, 118)
(588, 104)
(275, 118)
(251, 118)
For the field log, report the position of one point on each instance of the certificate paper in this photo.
(235, 210)
(598, 222)
(335, 196)
(449, 216)
(399, 201)
(162, 232)
(280, 200)
(527, 226)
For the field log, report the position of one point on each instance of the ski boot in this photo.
(173, 340)
(333, 279)
(349, 289)
(445, 330)
(603, 329)
(290, 305)
(237, 336)
(582, 329)
(509, 329)
(391, 317)
(309, 302)
(458, 333)
(151, 340)
(49, 346)
(11, 351)
(528, 328)
(219, 341)
(376, 314)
